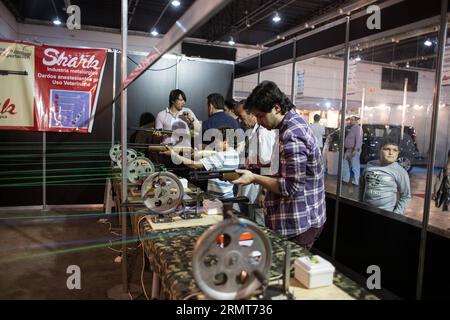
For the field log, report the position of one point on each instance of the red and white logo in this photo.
(53, 57)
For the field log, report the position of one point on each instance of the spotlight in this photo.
(407, 64)
(231, 42)
(56, 21)
(428, 43)
(154, 32)
(175, 3)
(276, 18)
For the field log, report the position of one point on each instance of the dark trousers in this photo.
(307, 238)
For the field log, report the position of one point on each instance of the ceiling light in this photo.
(428, 43)
(154, 32)
(56, 21)
(276, 17)
(175, 3)
(231, 42)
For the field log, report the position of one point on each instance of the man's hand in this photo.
(261, 200)
(353, 152)
(247, 177)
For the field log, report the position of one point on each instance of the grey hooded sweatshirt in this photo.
(386, 187)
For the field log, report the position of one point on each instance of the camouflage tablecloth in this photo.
(170, 256)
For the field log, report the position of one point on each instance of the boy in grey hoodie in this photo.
(385, 184)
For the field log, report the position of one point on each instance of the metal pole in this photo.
(341, 135)
(124, 143)
(294, 51)
(113, 121)
(405, 94)
(432, 147)
(363, 102)
(177, 72)
(259, 68)
(44, 170)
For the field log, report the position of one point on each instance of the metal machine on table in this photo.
(138, 166)
(232, 260)
(162, 192)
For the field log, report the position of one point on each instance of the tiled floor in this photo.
(438, 219)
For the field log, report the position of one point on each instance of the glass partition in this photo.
(282, 76)
(243, 86)
(318, 94)
(390, 95)
(439, 215)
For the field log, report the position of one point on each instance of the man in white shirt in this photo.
(177, 118)
(258, 153)
(319, 130)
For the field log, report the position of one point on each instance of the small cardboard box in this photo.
(314, 271)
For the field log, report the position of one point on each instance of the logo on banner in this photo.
(8, 107)
(54, 58)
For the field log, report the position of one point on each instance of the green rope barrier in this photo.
(40, 183)
(56, 142)
(54, 162)
(109, 175)
(102, 245)
(54, 170)
(55, 155)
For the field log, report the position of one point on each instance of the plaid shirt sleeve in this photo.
(293, 165)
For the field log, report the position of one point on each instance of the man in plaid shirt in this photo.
(295, 201)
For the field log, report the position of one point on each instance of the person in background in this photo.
(176, 117)
(352, 152)
(257, 153)
(384, 183)
(217, 117)
(229, 108)
(295, 199)
(319, 130)
(441, 190)
(146, 121)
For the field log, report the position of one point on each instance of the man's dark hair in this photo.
(265, 96)
(216, 100)
(391, 141)
(230, 104)
(146, 118)
(174, 94)
(316, 118)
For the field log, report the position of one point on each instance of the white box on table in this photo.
(314, 271)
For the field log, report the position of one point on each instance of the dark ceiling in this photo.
(143, 14)
(248, 21)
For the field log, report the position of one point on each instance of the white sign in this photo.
(446, 68)
(300, 85)
(352, 84)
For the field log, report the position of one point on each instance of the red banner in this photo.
(48, 88)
